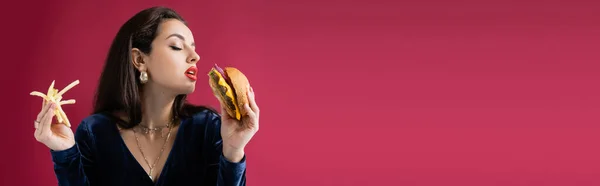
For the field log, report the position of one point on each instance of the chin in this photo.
(188, 89)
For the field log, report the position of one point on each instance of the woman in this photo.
(142, 131)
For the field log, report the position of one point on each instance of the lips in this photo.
(192, 73)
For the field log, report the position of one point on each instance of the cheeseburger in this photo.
(230, 86)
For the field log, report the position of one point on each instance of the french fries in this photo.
(55, 96)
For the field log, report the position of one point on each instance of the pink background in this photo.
(428, 92)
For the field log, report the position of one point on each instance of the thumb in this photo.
(223, 109)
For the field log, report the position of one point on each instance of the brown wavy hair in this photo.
(119, 86)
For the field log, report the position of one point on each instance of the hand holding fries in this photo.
(56, 137)
(55, 96)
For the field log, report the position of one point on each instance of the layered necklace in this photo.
(147, 130)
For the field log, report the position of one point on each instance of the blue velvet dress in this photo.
(100, 156)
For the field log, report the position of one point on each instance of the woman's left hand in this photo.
(236, 134)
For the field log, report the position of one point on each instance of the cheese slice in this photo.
(229, 93)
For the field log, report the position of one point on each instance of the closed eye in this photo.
(175, 48)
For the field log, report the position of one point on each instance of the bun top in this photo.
(240, 84)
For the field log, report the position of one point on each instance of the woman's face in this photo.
(171, 63)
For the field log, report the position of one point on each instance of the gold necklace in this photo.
(147, 130)
(161, 150)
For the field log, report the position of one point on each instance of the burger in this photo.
(230, 86)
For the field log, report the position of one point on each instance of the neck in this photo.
(157, 106)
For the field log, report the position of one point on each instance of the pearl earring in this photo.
(144, 77)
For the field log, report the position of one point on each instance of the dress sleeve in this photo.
(71, 165)
(229, 173)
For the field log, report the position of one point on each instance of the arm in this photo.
(71, 165)
(229, 173)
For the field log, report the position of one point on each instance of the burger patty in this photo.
(223, 92)
(228, 100)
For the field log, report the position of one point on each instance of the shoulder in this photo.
(95, 122)
(205, 122)
(205, 118)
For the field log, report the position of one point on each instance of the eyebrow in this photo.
(180, 37)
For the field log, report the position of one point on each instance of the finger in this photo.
(249, 111)
(252, 116)
(42, 112)
(252, 101)
(41, 115)
(40, 120)
(46, 121)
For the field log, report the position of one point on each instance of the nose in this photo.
(194, 57)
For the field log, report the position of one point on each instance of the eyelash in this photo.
(175, 48)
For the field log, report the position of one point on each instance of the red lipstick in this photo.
(191, 73)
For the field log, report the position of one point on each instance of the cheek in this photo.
(167, 67)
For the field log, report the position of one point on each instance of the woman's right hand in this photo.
(55, 136)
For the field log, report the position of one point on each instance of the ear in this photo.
(138, 59)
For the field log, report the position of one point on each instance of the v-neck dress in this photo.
(100, 156)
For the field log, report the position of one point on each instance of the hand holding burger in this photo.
(239, 112)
